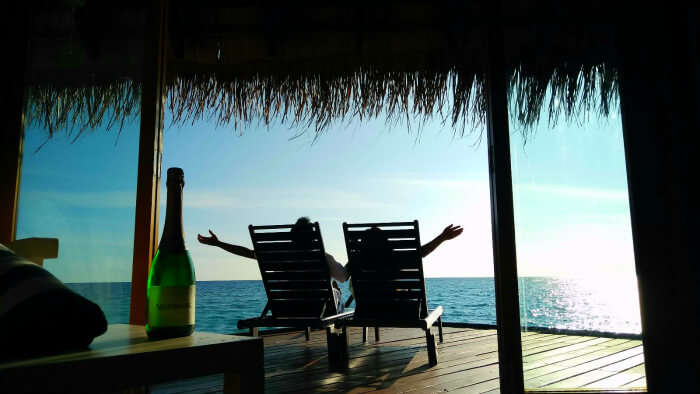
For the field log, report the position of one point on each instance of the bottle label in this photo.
(171, 306)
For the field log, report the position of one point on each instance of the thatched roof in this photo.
(241, 62)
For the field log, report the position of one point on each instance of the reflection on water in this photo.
(593, 303)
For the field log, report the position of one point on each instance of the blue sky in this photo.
(572, 212)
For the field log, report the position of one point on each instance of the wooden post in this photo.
(10, 164)
(12, 133)
(502, 222)
(150, 146)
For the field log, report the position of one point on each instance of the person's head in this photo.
(301, 232)
(376, 247)
(302, 223)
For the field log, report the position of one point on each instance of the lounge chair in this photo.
(386, 271)
(296, 278)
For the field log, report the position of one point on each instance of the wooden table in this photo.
(124, 358)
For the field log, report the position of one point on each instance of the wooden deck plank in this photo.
(620, 379)
(637, 383)
(606, 355)
(389, 383)
(395, 351)
(489, 386)
(566, 360)
(580, 375)
(407, 361)
(559, 345)
(545, 358)
(410, 363)
(450, 382)
(359, 350)
(468, 363)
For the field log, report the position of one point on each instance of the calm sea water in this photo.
(580, 304)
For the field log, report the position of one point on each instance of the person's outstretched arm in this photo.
(449, 232)
(235, 249)
(338, 271)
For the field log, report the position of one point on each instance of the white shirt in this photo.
(339, 273)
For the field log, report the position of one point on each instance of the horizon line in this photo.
(427, 277)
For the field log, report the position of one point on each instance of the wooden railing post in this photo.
(502, 215)
(150, 146)
(12, 133)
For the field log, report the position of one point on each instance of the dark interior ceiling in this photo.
(105, 39)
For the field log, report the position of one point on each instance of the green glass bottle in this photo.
(171, 281)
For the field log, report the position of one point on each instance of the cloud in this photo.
(330, 200)
(574, 192)
(558, 190)
(300, 199)
(84, 199)
(443, 183)
(211, 199)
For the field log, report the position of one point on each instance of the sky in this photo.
(570, 193)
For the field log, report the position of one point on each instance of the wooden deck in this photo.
(468, 363)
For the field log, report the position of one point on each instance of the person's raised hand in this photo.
(451, 231)
(213, 240)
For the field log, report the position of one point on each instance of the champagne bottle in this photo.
(171, 281)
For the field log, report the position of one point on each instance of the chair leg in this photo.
(364, 334)
(337, 342)
(307, 333)
(432, 349)
(376, 334)
(440, 328)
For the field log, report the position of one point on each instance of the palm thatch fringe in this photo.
(573, 91)
(314, 101)
(76, 110)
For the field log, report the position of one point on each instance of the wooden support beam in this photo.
(12, 133)
(150, 147)
(11, 143)
(502, 215)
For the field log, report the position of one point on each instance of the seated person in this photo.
(338, 272)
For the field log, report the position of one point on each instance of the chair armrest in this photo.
(339, 316)
(302, 322)
(432, 317)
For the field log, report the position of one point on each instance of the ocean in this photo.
(593, 304)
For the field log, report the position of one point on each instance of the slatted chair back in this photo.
(386, 270)
(294, 271)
